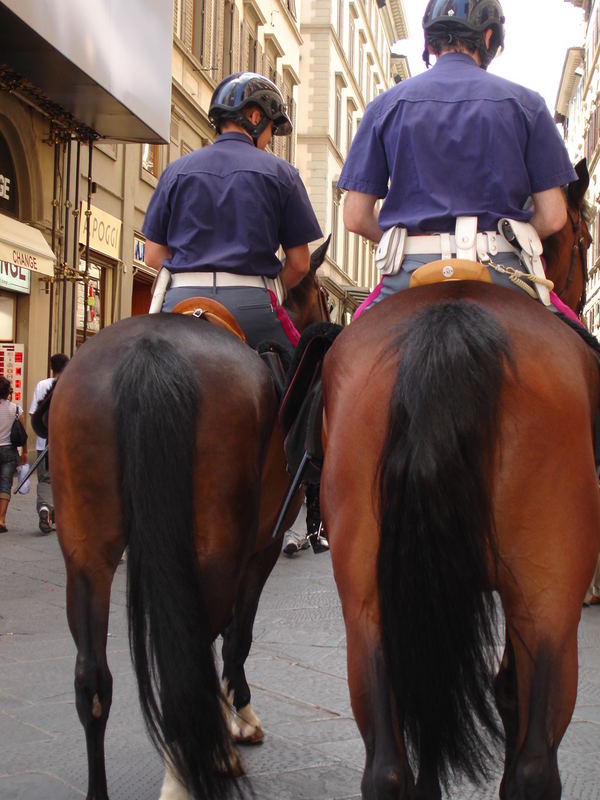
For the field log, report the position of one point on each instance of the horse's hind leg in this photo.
(547, 687)
(505, 691)
(87, 611)
(237, 639)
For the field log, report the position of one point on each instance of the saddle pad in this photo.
(212, 311)
(449, 269)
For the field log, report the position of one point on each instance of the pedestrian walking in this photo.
(44, 502)
(9, 454)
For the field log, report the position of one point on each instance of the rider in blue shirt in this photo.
(455, 141)
(219, 214)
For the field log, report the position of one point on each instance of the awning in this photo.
(25, 246)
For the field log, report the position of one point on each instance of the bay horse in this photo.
(469, 474)
(163, 437)
(565, 251)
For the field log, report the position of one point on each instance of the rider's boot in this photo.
(315, 531)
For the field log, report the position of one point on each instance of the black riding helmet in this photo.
(466, 20)
(242, 89)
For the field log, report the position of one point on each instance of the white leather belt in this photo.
(179, 279)
(444, 244)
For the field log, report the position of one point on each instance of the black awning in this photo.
(35, 69)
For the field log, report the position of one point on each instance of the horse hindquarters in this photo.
(437, 535)
(157, 400)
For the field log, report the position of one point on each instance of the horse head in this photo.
(566, 251)
(308, 301)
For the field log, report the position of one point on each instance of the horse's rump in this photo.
(458, 451)
(142, 431)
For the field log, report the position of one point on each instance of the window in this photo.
(198, 29)
(150, 159)
(338, 118)
(178, 19)
(335, 218)
(340, 20)
(228, 37)
(349, 128)
(291, 4)
(361, 64)
(351, 34)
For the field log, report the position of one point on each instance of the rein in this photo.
(323, 301)
(578, 248)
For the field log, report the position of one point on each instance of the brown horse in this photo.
(565, 252)
(469, 471)
(308, 302)
(164, 437)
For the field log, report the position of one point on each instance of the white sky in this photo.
(538, 35)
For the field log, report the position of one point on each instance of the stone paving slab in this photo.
(297, 671)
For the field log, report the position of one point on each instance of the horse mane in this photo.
(587, 337)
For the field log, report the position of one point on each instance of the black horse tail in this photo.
(157, 400)
(438, 537)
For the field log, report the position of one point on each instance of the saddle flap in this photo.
(305, 369)
(449, 269)
(212, 311)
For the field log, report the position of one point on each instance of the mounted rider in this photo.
(469, 165)
(219, 215)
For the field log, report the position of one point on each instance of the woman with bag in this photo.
(9, 454)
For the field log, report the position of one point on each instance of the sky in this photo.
(538, 35)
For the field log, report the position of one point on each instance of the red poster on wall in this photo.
(12, 366)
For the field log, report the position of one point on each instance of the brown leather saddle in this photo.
(211, 311)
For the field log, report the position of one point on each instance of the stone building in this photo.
(577, 108)
(347, 60)
(93, 107)
(66, 72)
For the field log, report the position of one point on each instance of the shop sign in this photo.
(105, 232)
(14, 278)
(8, 180)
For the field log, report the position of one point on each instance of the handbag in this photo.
(18, 434)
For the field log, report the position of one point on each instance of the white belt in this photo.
(444, 244)
(179, 279)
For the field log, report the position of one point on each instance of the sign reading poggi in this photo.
(105, 232)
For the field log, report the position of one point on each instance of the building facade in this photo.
(80, 172)
(347, 60)
(577, 108)
(62, 87)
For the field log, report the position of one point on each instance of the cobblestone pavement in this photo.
(296, 669)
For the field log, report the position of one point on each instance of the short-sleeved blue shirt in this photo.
(229, 207)
(455, 141)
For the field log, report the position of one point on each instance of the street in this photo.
(296, 669)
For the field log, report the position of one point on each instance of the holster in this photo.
(524, 238)
(159, 290)
(390, 251)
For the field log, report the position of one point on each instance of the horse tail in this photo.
(437, 535)
(157, 403)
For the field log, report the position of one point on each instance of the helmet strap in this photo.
(254, 130)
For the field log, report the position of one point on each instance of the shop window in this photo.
(7, 317)
(94, 301)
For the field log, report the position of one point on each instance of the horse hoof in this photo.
(246, 727)
(254, 737)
